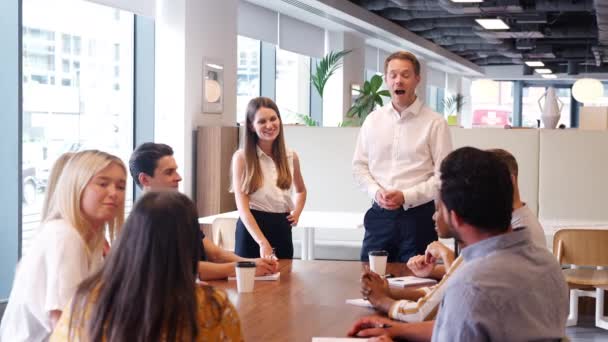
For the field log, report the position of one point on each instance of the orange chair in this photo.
(584, 247)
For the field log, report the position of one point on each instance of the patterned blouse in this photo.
(229, 328)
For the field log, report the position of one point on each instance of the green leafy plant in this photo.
(326, 67)
(307, 120)
(453, 104)
(368, 98)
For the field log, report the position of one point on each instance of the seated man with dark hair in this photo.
(421, 304)
(499, 293)
(153, 167)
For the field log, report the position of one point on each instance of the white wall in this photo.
(186, 32)
(337, 94)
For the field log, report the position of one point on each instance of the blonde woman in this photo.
(88, 202)
(268, 185)
(146, 289)
(56, 170)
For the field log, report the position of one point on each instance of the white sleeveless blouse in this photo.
(269, 197)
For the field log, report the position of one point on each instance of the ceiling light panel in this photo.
(492, 24)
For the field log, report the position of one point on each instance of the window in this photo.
(434, 98)
(292, 85)
(88, 107)
(66, 42)
(65, 66)
(248, 74)
(491, 103)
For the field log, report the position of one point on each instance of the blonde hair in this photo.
(76, 175)
(252, 178)
(56, 170)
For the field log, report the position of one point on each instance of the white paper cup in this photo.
(377, 262)
(245, 276)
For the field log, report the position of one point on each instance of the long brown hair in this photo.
(252, 177)
(146, 289)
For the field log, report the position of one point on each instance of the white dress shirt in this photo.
(46, 279)
(402, 151)
(524, 217)
(269, 197)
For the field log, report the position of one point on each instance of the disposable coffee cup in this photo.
(245, 276)
(377, 261)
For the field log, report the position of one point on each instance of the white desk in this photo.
(309, 221)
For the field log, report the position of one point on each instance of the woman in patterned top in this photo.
(146, 290)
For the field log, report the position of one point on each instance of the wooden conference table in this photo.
(308, 301)
(309, 221)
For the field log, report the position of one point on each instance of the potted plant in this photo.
(452, 106)
(326, 67)
(369, 96)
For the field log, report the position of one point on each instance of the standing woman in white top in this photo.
(265, 175)
(89, 200)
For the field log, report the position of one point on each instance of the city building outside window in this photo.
(248, 74)
(72, 99)
(292, 85)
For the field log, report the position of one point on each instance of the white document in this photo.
(343, 339)
(410, 281)
(274, 276)
(359, 302)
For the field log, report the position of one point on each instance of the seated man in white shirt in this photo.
(477, 293)
(153, 167)
(420, 304)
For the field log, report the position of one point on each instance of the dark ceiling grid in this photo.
(557, 32)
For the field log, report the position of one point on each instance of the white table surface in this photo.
(309, 221)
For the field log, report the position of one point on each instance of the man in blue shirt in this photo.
(508, 288)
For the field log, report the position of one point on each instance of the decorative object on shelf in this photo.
(213, 87)
(369, 97)
(552, 108)
(326, 67)
(586, 90)
(452, 106)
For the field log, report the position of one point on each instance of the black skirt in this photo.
(275, 227)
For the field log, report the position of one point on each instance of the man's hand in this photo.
(265, 266)
(371, 326)
(375, 289)
(420, 267)
(436, 250)
(390, 199)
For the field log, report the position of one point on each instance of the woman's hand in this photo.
(293, 218)
(266, 250)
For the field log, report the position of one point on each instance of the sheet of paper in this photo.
(342, 339)
(410, 281)
(275, 276)
(359, 302)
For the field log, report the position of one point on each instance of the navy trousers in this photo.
(402, 233)
(276, 229)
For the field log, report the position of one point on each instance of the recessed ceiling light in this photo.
(543, 71)
(549, 76)
(492, 24)
(535, 64)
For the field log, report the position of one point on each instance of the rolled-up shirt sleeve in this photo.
(440, 142)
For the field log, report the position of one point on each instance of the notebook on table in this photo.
(408, 281)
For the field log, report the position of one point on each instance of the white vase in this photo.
(551, 111)
(550, 121)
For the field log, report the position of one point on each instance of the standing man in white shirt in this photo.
(396, 161)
